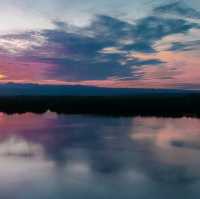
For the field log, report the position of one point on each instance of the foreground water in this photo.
(53, 156)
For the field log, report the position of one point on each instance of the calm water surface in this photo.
(53, 156)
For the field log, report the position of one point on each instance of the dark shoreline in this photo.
(165, 105)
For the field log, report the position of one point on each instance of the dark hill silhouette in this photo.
(11, 89)
(16, 98)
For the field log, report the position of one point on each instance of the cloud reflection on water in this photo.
(58, 156)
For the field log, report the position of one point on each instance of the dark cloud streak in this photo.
(77, 53)
(178, 8)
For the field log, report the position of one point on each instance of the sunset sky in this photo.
(109, 43)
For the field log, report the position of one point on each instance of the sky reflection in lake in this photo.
(65, 156)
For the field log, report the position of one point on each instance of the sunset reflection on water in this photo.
(59, 156)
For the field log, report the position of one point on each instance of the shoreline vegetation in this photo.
(165, 105)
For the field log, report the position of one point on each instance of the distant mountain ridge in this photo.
(12, 89)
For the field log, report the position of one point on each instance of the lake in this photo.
(52, 156)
